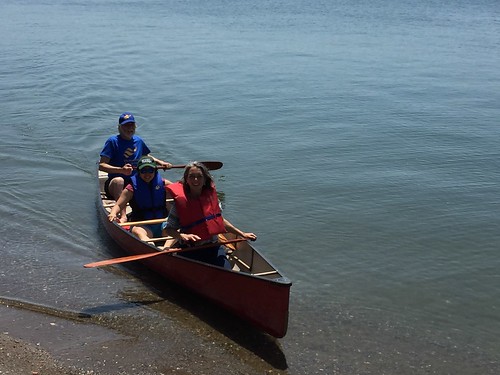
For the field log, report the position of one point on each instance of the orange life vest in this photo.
(201, 216)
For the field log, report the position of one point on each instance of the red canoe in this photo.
(253, 289)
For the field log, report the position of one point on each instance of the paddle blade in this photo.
(211, 165)
(130, 258)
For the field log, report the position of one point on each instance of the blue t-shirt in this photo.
(120, 151)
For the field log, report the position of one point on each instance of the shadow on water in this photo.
(241, 332)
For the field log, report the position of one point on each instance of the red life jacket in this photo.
(201, 216)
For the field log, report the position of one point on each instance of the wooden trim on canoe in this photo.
(240, 261)
(264, 273)
(132, 223)
(156, 239)
(103, 194)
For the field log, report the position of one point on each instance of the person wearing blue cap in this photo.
(119, 156)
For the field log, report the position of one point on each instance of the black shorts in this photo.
(212, 255)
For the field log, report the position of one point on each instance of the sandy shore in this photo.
(33, 343)
(18, 358)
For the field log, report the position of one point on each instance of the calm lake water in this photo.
(359, 141)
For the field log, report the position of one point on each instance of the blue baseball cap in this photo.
(126, 118)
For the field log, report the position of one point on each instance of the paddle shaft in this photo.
(131, 258)
(211, 165)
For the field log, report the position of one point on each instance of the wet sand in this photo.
(33, 342)
(41, 343)
(18, 357)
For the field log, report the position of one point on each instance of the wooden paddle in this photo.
(211, 165)
(149, 255)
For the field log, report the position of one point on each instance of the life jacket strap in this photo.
(203, 220)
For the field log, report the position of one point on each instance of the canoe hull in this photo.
(261, 300)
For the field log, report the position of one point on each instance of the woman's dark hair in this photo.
(209, 181)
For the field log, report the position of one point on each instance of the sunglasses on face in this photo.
(147, 170)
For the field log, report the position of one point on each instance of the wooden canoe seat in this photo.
(157, 239)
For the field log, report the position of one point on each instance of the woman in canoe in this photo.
(147, 196)
(195, 216)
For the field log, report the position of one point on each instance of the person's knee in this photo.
(117, 182)
(116, 186)
(142, 233)
(138, 231)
